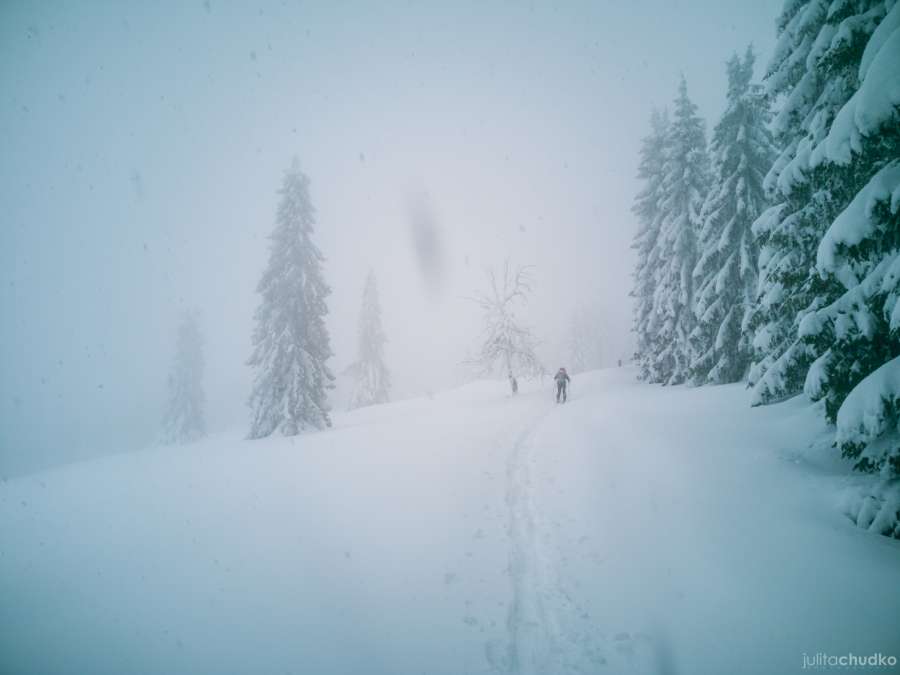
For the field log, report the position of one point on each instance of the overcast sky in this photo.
(142, 144)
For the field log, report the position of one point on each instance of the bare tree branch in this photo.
(504, 340)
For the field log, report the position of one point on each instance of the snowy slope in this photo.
(624, 532)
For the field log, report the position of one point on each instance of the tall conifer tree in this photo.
(684, 185)
(646, 240)
(291, 344)
(814, 71)
(725, 276)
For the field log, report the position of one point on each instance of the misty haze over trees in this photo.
(287, 287)
(587, 339)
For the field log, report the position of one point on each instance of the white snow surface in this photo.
(471, 532)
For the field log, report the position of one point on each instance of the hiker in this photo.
(562, 381)
(514, 384)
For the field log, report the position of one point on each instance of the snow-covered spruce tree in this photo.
(585, 340)
(813, 73)
(184, 420)
(858, 334)
(290, 342)
(858, 373)
(646, 239)
(725, 275)
(860, 331)
(683, 189)
(373, 380)
(505, 341)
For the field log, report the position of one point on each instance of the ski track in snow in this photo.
(537, 642)
(549, 632)
(528, 622)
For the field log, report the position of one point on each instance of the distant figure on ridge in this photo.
(562, 381)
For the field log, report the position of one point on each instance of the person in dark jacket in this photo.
(562, 382)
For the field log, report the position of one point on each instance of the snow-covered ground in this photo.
(635, 529)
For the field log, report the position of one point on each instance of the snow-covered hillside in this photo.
(470, 532)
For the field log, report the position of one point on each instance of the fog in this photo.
(142, 146)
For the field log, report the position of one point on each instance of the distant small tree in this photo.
(184, 420)
(373, 380)
(505, 341)
(585, 340)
